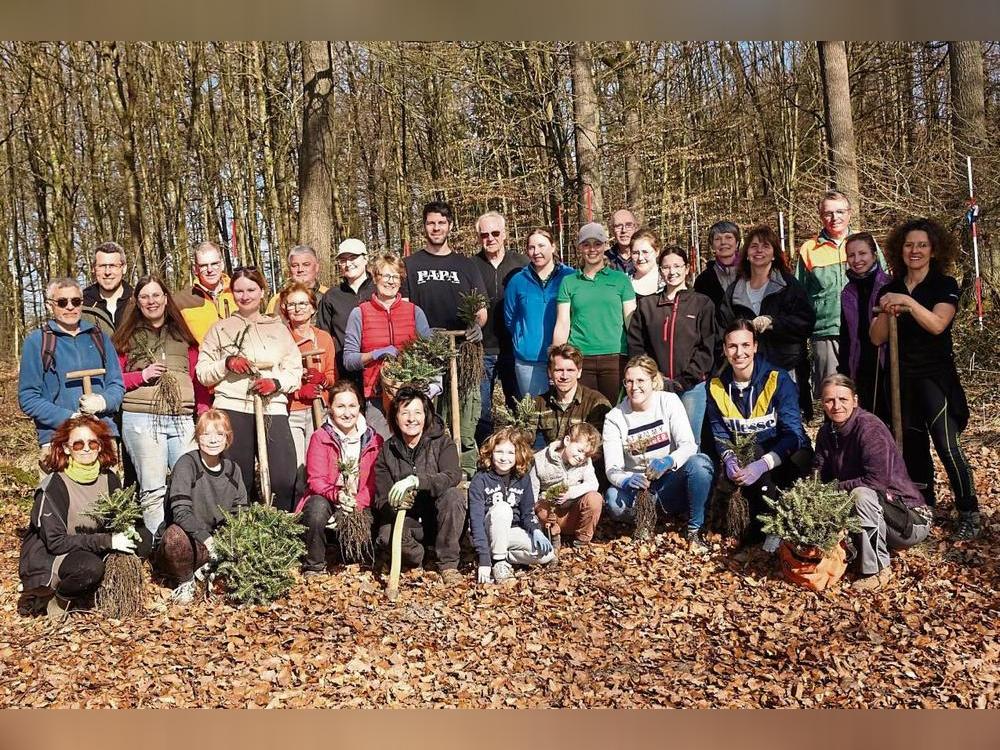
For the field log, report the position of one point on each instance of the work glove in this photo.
(204, 573)
(434, 390)
(771, 543)
(474, 333)
(308, 392)
(399, 496)
(484, 574)
(753, 472)
(385, 351)
(153, 371)
(92, 403)
(661, 466)
(762, 322)
(239, 365)
(312, 376)
(732, 466)
(264, 386)
(210, 546)
(122, 543)
(346, 502)
(541, 542)
(636, 481)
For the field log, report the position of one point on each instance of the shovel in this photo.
(262, 463)
(86, 375)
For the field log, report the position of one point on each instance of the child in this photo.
(203, 484)
(502, 509)
(567, 462)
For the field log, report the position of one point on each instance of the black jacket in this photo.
(707, 283)
(331, 316)
(793, 318)
(679, 334)
(496, 337)
(98, 314)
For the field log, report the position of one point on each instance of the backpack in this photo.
(49, 346)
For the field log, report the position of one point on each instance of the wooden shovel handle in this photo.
(392, 589)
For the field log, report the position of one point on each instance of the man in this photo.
(567, 401)
(303, 268)
(619, 254)
(63, 344)
(496, 266)
(356, 285)
(436, 280)
(105, 300)
(210, 299)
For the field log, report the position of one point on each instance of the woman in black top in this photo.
(933, 402)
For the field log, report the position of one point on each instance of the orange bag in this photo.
(814, 572)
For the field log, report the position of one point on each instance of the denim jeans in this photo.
(532, 377)
(684, 489)
(498, 367)
(155, 442)
(693, 400)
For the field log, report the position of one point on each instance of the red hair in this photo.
(58, 460)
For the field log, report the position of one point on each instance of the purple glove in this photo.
(732, 466)
(385, 351)
(753, 472)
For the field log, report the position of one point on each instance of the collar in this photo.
(825, 239)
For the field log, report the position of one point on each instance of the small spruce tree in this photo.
(811, 513)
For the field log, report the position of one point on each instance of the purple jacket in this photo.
(849, 304)
(863, 454)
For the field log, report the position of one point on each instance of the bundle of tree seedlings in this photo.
(354, 531)
(523, 417)
(471, 354)
(737, 518)
(123, 587)
(418, 363)
(645, 502)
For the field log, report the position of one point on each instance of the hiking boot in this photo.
(873, 582)
(696, 542)
(310, 573)
(450, 577)
(184, 594)
(968, 526)
(57, 609)
(503, 573)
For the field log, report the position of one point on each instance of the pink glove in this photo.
(753, 472)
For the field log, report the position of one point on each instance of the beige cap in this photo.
(351, 246)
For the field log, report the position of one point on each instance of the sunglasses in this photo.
(78, 445)
(494, 233)
(64, 302)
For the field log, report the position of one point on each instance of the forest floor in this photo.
(617, 625)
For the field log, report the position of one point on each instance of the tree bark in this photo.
(316, 152)
(968, 102)
(839, 121)
(587, 116)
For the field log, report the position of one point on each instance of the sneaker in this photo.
(184, 594)
(968, 526)
(450, 577)
(57, 609)
(696, 543)
(503, 572)
(309, 573)
(579, 543)
(874, 581)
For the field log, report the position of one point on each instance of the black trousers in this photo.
(439, 521)
(280, 455)
(316, 513)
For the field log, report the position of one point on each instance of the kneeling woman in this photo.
(753, 397)
(418, 471)
(62, 555)
(203, 485)
(855, 449)
(344, 438)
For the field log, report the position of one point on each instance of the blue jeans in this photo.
(155, 442)
(532, 377)
(694, 404)
(676, 491)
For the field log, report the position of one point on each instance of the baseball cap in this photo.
(591, 231)
(351, 246)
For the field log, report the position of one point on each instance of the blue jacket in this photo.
(768, 408)
(47, 397)
(529, 309)
(487, 489)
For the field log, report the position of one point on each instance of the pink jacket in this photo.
(202, 396)
(323, 476)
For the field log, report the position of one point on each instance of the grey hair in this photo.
(303, 250)
(724, 227)
(492, 215)
(63, 282)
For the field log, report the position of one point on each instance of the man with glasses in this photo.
(210, 299)
(64, 344)
(105, 300)
(303, 268)
(619, 254)
(496, 266)
(356, 286)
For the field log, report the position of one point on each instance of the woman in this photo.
(724, 239)
(158, 356)
(648, 433)
(417, 471)
(250, 355)
(379, 327)
(344, 437)
(855, 449)
(858, 358)
(677, 327)
(752, 397)
(529, 310)
(297, 305)
(62, 554)
(204, 486)
(920, 253)
(645, 278)
(766, 294)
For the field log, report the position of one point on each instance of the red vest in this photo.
(396, 326)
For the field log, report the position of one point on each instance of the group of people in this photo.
(641, 384)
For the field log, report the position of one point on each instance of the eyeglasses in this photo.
(297, 305)
(485, 235)
(108, 266)
(64, 302)
(78, 445)
(626, 225)
(838, 213)
(390, 277)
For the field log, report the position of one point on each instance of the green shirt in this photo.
(597, 324)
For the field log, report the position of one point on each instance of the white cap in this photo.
(351, 246)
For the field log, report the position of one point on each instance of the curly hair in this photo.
(944, 249)
(523, 456)
(58, 460)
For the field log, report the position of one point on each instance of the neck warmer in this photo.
(854, 276)
(83, 473)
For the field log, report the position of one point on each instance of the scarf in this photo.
(83, 473)
(854, 276)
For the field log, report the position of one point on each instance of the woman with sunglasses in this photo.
(251, 354)
(158, 354)
(62, 554)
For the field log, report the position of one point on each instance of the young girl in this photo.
(568, 462)
(62, 555)
(502, 509)
(203, 484)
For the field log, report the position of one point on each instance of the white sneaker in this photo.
(184, 594)
(503, 572)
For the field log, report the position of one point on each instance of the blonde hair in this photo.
(387, 259)
(648, 365)
(214, 418)
(584, 432)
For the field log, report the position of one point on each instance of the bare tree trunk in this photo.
(839, 122)
(968, 103)
(587, 116)
(316, 154)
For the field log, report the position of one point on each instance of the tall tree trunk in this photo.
(839, 122)
(587, 116)
(316, 152)
(968, 102)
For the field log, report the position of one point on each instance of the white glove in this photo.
(434, 390)
(762, 323)
(204, 573)
(346, 502)
(484, 574)
(122, 543)
(332, 523)
(210, 546)
(92, 403)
